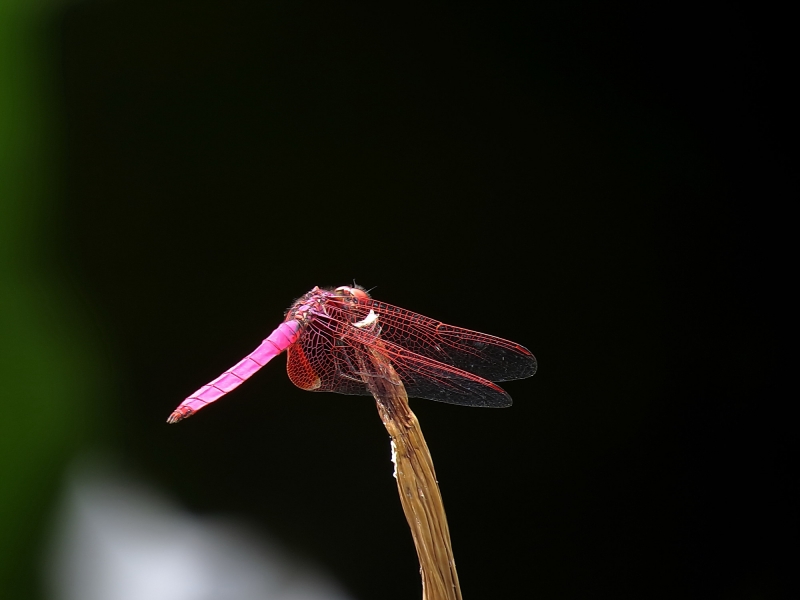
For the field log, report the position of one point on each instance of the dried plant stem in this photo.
(416, 483)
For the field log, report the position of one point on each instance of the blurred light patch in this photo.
(117, 539)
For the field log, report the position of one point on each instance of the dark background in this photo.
(601, 183)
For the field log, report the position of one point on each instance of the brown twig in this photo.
(416, 482)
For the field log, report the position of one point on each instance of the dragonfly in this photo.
(329, 335)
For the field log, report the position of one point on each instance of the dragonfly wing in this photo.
(433, 380)
(435, 361)
(320, 362)
(317, 363)
(422, 377)
(484, 355)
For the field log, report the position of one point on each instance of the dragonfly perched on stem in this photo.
(326, 334)
(343, 341)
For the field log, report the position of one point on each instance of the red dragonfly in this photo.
(329, 333)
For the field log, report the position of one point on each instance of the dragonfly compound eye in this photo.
(359, 294)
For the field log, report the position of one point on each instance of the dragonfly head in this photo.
(357, 292)
(318, 302)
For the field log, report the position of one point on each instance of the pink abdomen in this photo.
(279, 340)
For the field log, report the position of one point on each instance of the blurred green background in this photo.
(49, 362)
(600, 184)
